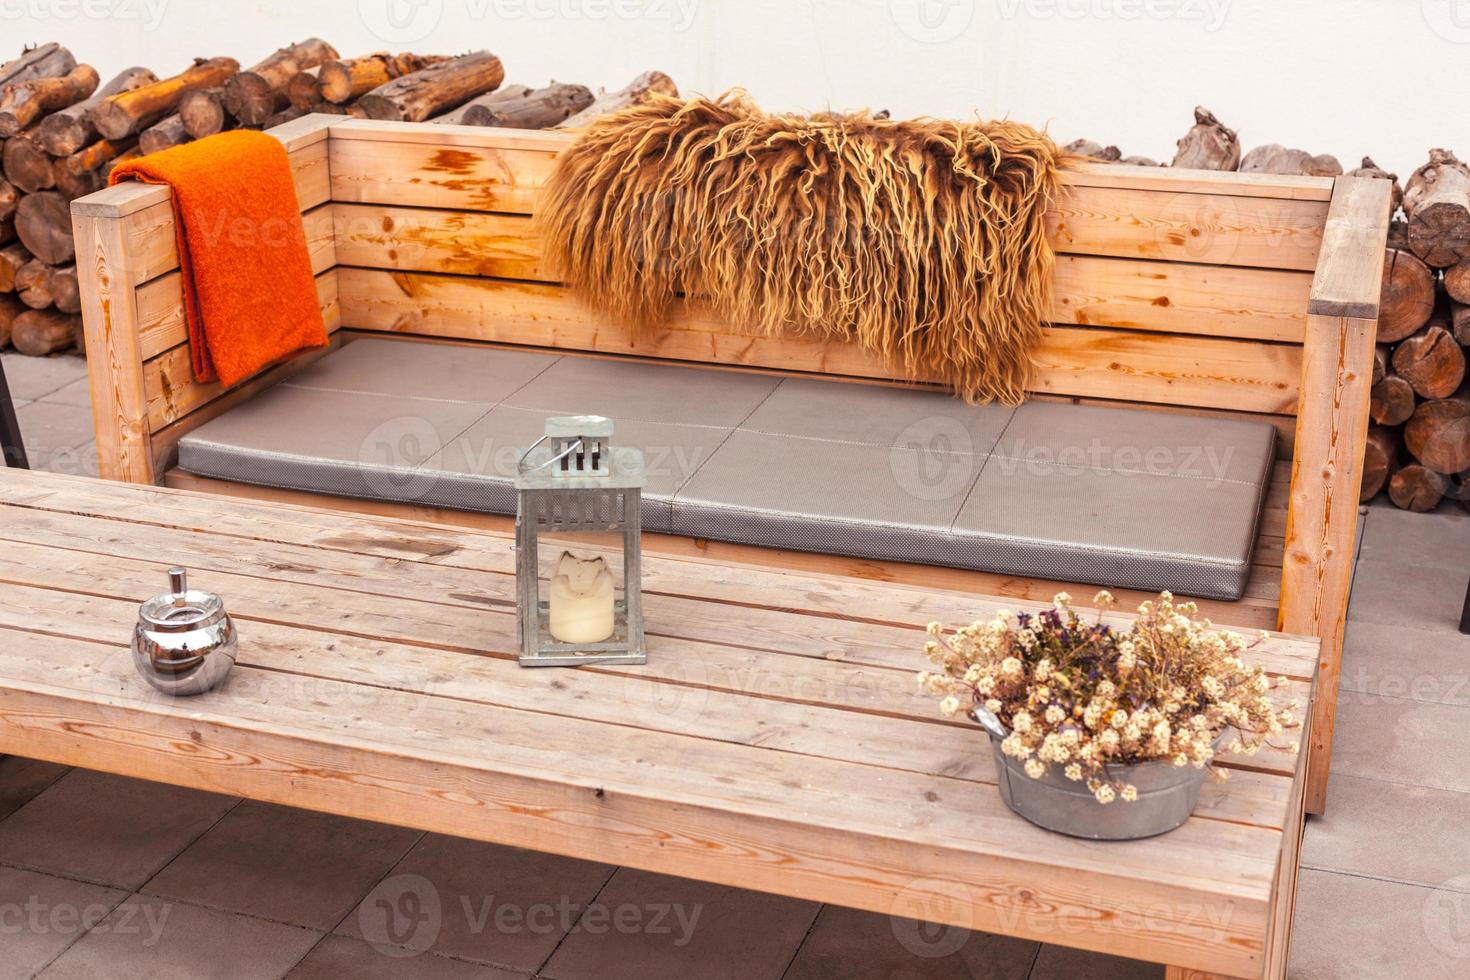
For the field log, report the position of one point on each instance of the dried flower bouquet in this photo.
(1091, 699)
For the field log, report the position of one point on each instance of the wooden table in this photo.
(776, 740)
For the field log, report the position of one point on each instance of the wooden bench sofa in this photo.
(1243, 296)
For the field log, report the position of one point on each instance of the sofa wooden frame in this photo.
(1185, 291)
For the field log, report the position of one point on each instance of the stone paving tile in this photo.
(162, 940)
(1349, 927)
(35, 377)
(22, 779)
(336, 957)
(48, 427)
(43, 915)
(1402, 741)
(107, 829)
(1441, 540)
(77, 394)
(1407, 594)
(1062, 963)
(1405, 662)
(646, 926)
(497, 905)
(1393, 831)
(275, 862)
(867, 946)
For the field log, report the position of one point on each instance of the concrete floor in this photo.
(108, 877)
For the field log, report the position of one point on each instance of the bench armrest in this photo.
(143, 394)
(1332, 426)
(1350, 265)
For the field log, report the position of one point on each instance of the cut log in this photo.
(1273, 158)
(10, 308)
(435, 89)
(329, 108)
(1431, 362)
(1380, 459)
(7, 230)
(203, 112)
(120, 159)
(1380, 363)
(1370, 169)
(639, 90)
(12, 258)
(1398, 234)
(1437, 203)
(165, 133)
(343, 81)
(256, 94)
(26, 165)
(96, 155)
(1391, 401)
(72, 186)
(23, 104)
(1209, 145)
(1407, 296)
(1140, 161)
(66, 131)
(304, 90)
(47, 61)
(42, 332)
(1416, 488)
(131, 112)
(1438, 434)
(1094, 151)
(65, 291)
(9, 198)
(43, 222)
(1459, 314)
(33, 284)
(540, 109)
(1457, 281)
(455, 117)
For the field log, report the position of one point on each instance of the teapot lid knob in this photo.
(178, 581)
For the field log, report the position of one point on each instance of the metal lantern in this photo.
(574, 481)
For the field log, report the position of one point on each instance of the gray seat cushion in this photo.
(1116, 497)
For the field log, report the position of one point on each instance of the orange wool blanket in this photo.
(249, 293)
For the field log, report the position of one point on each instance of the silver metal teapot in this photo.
(184, 642)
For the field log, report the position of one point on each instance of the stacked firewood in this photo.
(63, 130)
(1418, 449)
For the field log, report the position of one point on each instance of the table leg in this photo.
(11, 443)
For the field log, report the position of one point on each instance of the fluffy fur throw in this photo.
(923, 241)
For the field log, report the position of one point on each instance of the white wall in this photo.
(1341, 76)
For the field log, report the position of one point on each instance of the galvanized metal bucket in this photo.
(1167, 795)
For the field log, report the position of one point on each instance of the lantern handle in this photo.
(522, 468)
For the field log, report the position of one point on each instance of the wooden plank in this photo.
(1347, 282)
(168, 378)
(1185, 227)
(161, 323)
(1127, 365)
(471, 243)
(1322, 522)
(114, 356)
(438, 176)
(1089, 290)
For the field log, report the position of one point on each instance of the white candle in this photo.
(581, 599)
